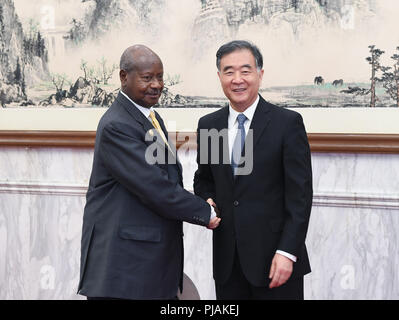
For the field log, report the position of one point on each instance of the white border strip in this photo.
(317, 120)
(320, 199)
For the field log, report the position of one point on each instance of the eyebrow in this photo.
(145, 73)
(231, 67)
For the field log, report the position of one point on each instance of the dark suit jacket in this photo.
(132, 246)
(268, 209)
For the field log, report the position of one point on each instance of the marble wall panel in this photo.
(352, 237)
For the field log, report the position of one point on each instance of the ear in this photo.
(123, 77)
(219, 74)
(261, 72)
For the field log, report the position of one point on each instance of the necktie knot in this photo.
(241, 118)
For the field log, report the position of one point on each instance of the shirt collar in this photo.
(145, 111)
(249, 112)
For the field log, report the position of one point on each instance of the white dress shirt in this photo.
(232, 132)
(146, 112)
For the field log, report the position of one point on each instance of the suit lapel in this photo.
(134, 112)
(259, 123)
(260, 120)
(140, 117)
(174, 151)
(147, 125)
(221, 123)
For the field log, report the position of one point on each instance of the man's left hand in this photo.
(280, 270)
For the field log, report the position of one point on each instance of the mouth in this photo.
(153, 95)
(238, 90)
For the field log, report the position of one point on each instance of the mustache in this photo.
(154, 92)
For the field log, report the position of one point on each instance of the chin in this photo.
(240, 102)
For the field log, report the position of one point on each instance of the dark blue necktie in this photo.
(238, 143)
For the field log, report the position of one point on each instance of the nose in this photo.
(237, 78)
(156, 83)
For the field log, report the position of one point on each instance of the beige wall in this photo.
(317, 120)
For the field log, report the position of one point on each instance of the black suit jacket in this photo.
(268, 209)
(132, 246)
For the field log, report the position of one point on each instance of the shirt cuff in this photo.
(285, 254)
(213, 213)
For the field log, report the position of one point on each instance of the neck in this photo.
(241, 107)
(132, 99)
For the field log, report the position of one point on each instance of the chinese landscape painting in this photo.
(317, 53)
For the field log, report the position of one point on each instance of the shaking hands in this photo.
(214, 222)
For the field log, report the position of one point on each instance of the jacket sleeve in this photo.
(298, 186)
(123, 152)
(203, 180)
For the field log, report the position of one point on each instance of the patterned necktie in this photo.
(156, 125)
(238, 143)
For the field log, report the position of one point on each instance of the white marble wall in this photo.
(42, 195)
(352, 238)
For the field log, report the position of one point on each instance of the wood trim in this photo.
(25, 138)
(354, 143)
(319, 142)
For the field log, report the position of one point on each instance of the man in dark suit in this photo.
(132, 238)
(264, 196)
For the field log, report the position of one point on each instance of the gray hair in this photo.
(130, 55)
(239, 45)
(126, 62)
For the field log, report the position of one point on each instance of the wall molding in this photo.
(40, 188)
(320, 199)
(319, 142)
(27, 138)
(356, 200)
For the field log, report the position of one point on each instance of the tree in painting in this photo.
(374, 61)
(390, 79)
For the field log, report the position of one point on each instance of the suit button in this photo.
(236, 203)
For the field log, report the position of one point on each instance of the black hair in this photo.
(239, 45)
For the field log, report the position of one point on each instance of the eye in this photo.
(228, 73)
(146, 78)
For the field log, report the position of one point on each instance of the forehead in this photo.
(147, 63)
(238, 58)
